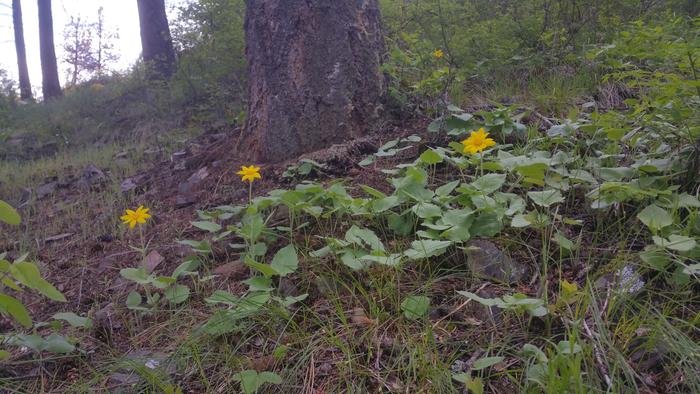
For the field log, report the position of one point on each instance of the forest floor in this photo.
(346, 330)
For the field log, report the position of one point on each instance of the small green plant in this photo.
(142, 276)
(520, 303)
(22, 274)
(304, 169)
(252, 380)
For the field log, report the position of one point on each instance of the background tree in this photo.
(104, 50)
(77, 46)
(314, 73)
(156, 42)
(51, 87)
(25, 86)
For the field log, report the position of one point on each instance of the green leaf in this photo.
(372, 191)
(427, 210)
(264, 269)
(679, 243)
(73, 319)
(563, 242)
(251, 380)
(384, 204)
(190, 265)
(4, 354)
(655, 257)
(364, 237)
(137, 275)
(177, 294)
(8, 214)
(56, 343)
(392, 260)
(520, 221)
(422, 249)
(446, 189)
(208, 226)
(431, 157)
(486, 362)
(28, 274)
(415, 307)
(568, 347)
(11, 306)
(489, 183)
(483, 301)
(285, 261)
(655, 217)
(533, 172)
(133, 300)
(546, 198)
(692, 269)
(488, 224)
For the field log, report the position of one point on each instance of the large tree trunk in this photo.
(314, 74)
(25, 87)
(156, 42)
(49, 69)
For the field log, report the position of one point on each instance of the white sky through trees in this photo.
(120, 15)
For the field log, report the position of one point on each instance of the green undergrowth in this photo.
(352, 287)
(360, 288)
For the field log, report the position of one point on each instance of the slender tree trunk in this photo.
(25, 86)
(314, 74)
(156, 42)
(49, 69)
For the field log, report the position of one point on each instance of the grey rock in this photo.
(91, 175)
(624, 280)
(194, 180)
(128, 184)
(46, 189)
(126, 379)
(184, 200)
(485, 259)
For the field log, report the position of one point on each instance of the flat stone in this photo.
(46, 189)
(485, 259)
(184, 200)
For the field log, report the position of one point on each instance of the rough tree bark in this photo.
(314, 74)
(51, 87)
(156, 42)
(25, 86)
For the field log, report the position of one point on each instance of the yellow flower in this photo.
(438, 53)
(477, 142)
(139, 216)
(249, 173)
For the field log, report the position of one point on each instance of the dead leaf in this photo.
(235, 270)
(358, 317)
(153, 260)
(263, 364)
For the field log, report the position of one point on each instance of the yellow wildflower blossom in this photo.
(139, 216)
(438, 53)
(249, 173)
(477, 142)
